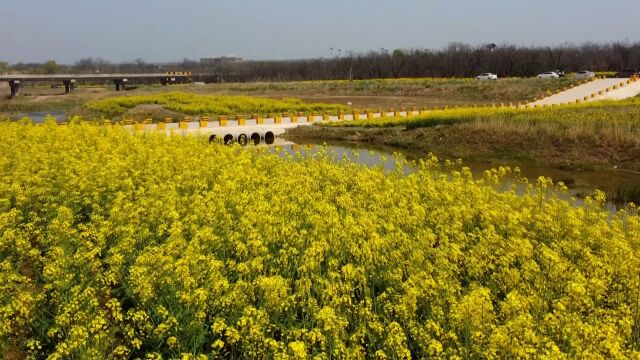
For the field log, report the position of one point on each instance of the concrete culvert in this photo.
(212, 139)
(255, 138)
(228, 139)
(243, 139)
(269, 138)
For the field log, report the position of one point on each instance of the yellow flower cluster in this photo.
(114, 245)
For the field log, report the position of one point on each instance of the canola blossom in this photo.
(122, 246)
(207, 104)
(597, 114)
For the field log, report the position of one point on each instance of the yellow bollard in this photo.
(277, 119)
(369, 115)
(162, 126)
(204, 121)
(259, 119)
(294, 118)
(241, 120)
(356, 115)
(139, 126)
(184, 123)
(341, 115)
(326, 117)
(222, 120)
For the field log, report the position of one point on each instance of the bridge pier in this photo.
(15, 87)
(120, 84)
(69, 85)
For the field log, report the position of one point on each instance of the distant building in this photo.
(230, 59)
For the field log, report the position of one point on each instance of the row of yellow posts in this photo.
(242, 120)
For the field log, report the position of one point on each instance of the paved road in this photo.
(593, 87)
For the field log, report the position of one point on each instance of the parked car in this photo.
(627, 73)
(487, 76)
(548, 75)
(559, 72)
(585, 74)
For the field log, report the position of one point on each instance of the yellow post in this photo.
(294, 118)
(139, 126)
(369, 115)
(277, 119)
(341, 115)
(326, 117)
(204, 121)
(162, 126)
(356, 115)
(241, 120)
(184, 123)
(259, 119)
(222, 121)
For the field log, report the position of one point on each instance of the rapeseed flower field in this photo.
(122, 246)
(194, 104)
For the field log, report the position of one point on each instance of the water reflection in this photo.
(37, 117)
(621, 188)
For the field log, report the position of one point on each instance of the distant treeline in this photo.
(456, 60)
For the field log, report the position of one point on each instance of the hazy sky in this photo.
(169, 30)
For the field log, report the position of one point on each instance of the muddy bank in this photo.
(468, 143)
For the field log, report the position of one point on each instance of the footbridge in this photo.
(119, 80)
(257, 130)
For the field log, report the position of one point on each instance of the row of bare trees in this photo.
(456, 60)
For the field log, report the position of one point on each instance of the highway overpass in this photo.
(119, 80)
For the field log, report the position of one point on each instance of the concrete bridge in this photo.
(119, 80)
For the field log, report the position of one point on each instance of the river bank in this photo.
(470, 143)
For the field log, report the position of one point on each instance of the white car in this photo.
(548, 75)
(487, 76)
(585, 74)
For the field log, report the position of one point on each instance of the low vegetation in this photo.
(170, 247)
(613, 123)
(459, 89)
